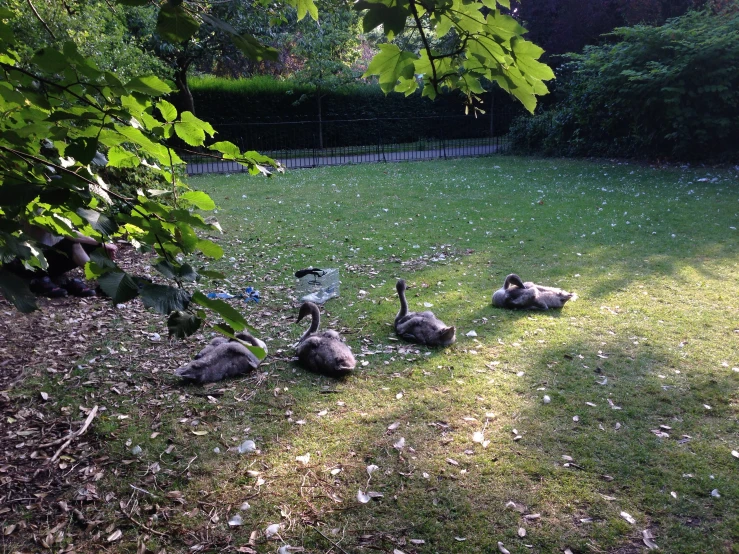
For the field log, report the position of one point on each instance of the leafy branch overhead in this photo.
(66, 124)
(463, 44)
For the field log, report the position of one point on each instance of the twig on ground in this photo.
(69, 438)
(329, 540)
(139, 524)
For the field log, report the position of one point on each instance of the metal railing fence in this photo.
(301, 144)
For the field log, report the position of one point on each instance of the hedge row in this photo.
(264, 113)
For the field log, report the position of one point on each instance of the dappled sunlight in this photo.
(538, 428)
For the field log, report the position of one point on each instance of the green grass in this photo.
(653, 258)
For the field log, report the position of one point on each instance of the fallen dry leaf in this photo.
(503, 549)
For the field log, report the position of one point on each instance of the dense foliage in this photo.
(561, 26)
(660, 92)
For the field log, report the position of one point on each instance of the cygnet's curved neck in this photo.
(400, 287)
(315, 316)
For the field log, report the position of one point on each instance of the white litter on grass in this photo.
(399, 444)
(546, 399)
(715, 493)
(235, 521)
(647, 538)
(503, 549)
(272, 530)
(246, 447)
(628, 517)
(303, 459)
(472, 334)
(362, 498)
(371, 469)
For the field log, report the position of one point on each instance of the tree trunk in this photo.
(184, 101)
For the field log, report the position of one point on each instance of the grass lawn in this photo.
(641, 370)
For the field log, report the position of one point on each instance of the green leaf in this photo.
(151, 85)
(210, 248)
(391, 64)
(199, 199)
(166, 268)
(391, 14)
(98, 221)
(182, 324)
(226, 311)
(305, 7)
(174, 24)
(526, 54)
(132, 2)
(16, 291)
(164, 299)
(168, 111)
(82, 149)
(50, 60)
(99, 264)
(229, 150)
(192, 130)
(119, 286)
(253, 49)
(120, 157)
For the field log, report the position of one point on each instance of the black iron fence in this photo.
(299, 144)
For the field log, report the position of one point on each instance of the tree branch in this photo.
(38, 16)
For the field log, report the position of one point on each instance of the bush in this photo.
(659, 92)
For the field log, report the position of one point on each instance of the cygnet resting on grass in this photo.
(322, 352)
(222, 358)
(516, 294)
(420, 327)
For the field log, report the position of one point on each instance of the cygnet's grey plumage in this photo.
(515, 294)
(421, 327)
(222, 358)
(322, 352)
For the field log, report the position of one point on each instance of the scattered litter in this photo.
(220, 295)
(303, 459)
(317, 285)
(362, 498)
(136, 450)
(235, 521)
(715, 493)
(546, 399)
(272, 530)
(251, 295)
(628, 517)
(503, 549)
(246, 447)
(647, 538)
